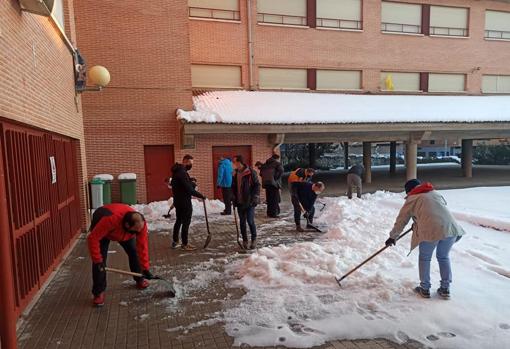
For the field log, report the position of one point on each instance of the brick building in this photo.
(42, 152)
(169, 51)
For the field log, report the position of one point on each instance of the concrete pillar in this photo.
(467, 157)
(312, 156)
(346, 155)
(7, 300)
(411, 158)
(393, 157)
(367, 161)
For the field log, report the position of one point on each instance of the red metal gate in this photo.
(44, 206)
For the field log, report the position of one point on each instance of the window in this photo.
(219, 76)
(214, 9)
(341, 14)
(447, 82)
(58, 13)
(396, 81)
(338, 80)
(289, 12)
(401, 18)
(279, 78)
(496, 84)
(497, 25)
(449, 21)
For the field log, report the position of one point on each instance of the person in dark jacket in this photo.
(300, 175)
(183, 188)
(271, 173)
(354, 179)
(224, 181)
(303, 197)
(121, 223)
(246, 190)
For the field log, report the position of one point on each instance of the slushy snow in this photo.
(292, 298)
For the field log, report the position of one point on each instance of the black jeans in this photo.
(247, 215)
(297, 215)
(183, 219)
(273, 201)
(99, 276)
(227, 199)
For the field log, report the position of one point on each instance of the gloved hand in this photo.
(148, 275)
(390, 242)
(100, 267)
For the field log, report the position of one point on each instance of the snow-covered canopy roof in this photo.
(266, 107)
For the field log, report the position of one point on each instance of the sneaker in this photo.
(142, 284)
(299, 229)
(188, 247)
(245, 244)
(175, 244)
(422, 292)
(225, 213)
(309, 226)
(443, 293)
(253, 244)
(99, 300)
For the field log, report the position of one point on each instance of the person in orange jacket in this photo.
(121, 223)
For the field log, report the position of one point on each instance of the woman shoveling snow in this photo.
(433, 227)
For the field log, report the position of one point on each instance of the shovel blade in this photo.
(207, 241)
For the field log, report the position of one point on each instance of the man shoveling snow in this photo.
(433, 227)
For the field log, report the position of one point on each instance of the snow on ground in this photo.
(267, 107)
(154, 212)
(293, 299)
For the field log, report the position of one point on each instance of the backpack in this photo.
(267, 175)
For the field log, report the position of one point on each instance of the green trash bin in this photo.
(107, 187)
(96, 193)
(127, 188)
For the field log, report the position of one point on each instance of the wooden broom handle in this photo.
(119, 271)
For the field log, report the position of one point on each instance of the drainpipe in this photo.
(7, 298)
(250, 47)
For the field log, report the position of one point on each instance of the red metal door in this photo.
(228, 152)
(44, 210)
(158, 163)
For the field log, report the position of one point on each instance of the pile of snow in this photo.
(259, 107)
(127, 176)
(293, 299)
(104, 177)
(154, 212)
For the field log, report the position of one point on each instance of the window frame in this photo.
(485, 30)
(464, 89)
(236, 14)
(359, 23)
(466, 31)
(241, 86)
(384, 29)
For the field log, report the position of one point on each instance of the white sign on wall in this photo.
(53, 170)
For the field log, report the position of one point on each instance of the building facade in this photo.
(169, 51)
(42, 153)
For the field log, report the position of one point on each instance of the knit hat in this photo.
(411, 184)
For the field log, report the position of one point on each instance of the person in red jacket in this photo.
(121, 223)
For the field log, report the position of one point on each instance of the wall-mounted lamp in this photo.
(98, 76)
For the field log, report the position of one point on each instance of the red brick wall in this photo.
(36, 76)
(226, 43)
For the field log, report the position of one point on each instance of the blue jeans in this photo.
(442, 254)
(247, 215)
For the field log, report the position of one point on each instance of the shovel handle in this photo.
(124, 272)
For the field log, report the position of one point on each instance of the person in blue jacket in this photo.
(224, 182)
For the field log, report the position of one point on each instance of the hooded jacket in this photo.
(432, 219)
(225, 172)
(182, 186)
(248, 193)
(108, 224)
(274, 170)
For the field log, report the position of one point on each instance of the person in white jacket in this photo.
(434, 228)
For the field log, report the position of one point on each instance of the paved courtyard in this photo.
(64, 318)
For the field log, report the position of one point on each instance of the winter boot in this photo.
(422, 292)
(443, 293)
(225, 213)
(245, 244)
(175, 244)
(142, 284)
(188, 247)
(253, 244)
(99, 300)
(298, 228)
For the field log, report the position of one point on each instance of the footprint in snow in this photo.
(434, 337)
(402, 336)
(504, 326)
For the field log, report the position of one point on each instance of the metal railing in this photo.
(339, 23)
(448, 31)
(281, 19)
(401, 28)
(211, 13)
(497, 34)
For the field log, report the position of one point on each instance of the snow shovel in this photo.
(209, 236)
(237, 229)
(338, 280)
(168, 215)
(308, 224)
(170, 292)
